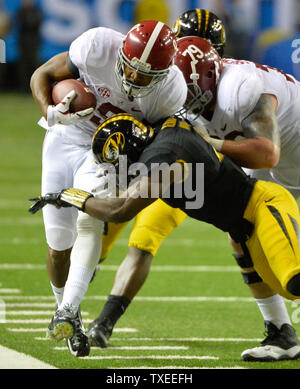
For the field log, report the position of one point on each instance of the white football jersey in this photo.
(239, 88)
(95, 53)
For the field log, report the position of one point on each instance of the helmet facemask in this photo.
(196, 100)
(142, 68)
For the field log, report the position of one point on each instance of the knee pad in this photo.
(243, 260)
(293, 286)
(87, 247)
(60, 239)
(251, 278)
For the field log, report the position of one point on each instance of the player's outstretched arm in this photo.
(117, 210)
(262, 148)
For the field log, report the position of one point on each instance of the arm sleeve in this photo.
(94, 48)
(80, 49)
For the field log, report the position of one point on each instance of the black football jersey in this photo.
(227, 188)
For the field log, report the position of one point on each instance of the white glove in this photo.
(216, 143)
(59, 114)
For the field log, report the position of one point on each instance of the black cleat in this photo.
(279, 345)
(99, 334)
(79, 344)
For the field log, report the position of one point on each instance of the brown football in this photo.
(84, 99)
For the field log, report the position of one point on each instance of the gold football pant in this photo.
(151, 226)
(274, 245)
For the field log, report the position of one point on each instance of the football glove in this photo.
(59, 114)
(66, 198)
(216, 143)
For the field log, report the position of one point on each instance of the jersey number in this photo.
(103, 110)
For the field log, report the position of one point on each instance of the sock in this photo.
(58, 293)
(76, 286)
(113, 309)
(273, 309)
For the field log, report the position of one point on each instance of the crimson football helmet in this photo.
(148, 49)
(204, 24)
(201, 66)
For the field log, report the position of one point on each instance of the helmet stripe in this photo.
(207, 15)
(116, 117)
(151, 41)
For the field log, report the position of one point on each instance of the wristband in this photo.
(75, 197)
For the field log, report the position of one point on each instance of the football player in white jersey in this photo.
(249, 112)
(132, 74)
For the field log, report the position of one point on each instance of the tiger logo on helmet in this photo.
(121, 134)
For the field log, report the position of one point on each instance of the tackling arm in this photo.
(116, 210)
(131, 202)
(262, 148)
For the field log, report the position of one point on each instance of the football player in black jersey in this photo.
(262, 216)
(204, 24)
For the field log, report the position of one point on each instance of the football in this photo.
(84, 99)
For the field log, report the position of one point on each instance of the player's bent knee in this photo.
(59, 257)
(60, 239)
(293, 286)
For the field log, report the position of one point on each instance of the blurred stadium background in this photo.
(205, 316)
(267, 31)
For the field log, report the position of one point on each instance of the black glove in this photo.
(49, 198)
(66, 198)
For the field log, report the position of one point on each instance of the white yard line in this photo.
(188, 339)
(8, 290)
(26, 329)
(155, 268)
(176, 367)
(30, 321)
(237, 340)
(34, 313)
(129, 330)
(196, 357)
(11, 359)
(128, 348)
(144, 298)
(123, 242)
(30, 305)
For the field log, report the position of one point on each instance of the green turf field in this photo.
(194, 310)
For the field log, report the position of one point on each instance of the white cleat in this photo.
(280, 344)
